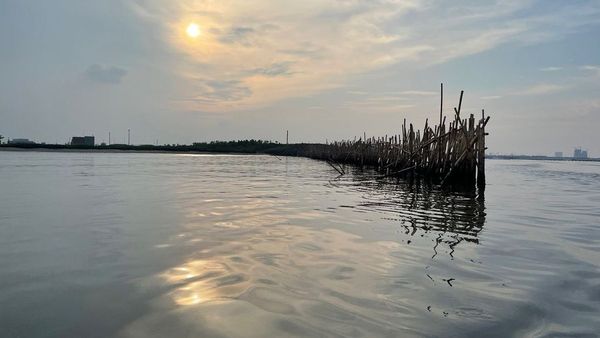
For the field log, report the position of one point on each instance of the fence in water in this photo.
(452, 152)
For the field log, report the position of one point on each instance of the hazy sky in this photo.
(320, 68)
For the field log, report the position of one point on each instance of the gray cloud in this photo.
(214, 91)
(275, 69)
(237, 35)
(105, 74)
(551, 69)
(243, 35)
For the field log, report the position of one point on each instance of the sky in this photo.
(322, 69)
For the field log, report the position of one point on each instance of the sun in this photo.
(193, 30)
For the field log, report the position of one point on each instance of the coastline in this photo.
(216, 147)
(540, 158)
(277, 150)
(124, 151)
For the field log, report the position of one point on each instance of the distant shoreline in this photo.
(115, 151)
(232, 148)
(540, 158)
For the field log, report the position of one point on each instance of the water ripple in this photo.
(252, 246)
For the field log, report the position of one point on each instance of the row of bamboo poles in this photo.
(452, 152)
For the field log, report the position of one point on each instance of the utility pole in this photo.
(109, 138)
(287, 136)
(128, 136)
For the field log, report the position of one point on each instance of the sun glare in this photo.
(193, 30)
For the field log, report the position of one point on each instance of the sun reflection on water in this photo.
(263, 257)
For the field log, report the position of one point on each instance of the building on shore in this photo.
(579, 153)
(82, 141)
(558, 154)
(20, 141)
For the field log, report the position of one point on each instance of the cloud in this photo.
(212, 93)
(591, 68)
(419, 93)
(237, 35)
(551, 69)
(105, 74)
(279, 50)
(227, 90)
(275, 69)
(384, 101)
(377, 104)
(542, 89)
(357, 92)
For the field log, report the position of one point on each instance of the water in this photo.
(157, 245)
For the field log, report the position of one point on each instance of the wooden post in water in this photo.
(481, 154)
(472, 151)
(441, 101)
(439, 160)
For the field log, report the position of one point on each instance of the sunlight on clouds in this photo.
(253, 53)
(542, 89)
(193, 30)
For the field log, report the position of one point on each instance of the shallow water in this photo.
(156, 245)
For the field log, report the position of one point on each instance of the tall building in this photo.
(578, 153)
(82, 141)
(558, 154)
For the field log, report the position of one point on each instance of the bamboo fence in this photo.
(448, 153)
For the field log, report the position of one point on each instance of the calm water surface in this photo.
(159, 245)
